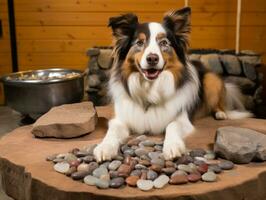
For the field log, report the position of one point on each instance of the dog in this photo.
(156, 89)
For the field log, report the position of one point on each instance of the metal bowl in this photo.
(35, 92)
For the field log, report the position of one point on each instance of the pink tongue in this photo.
(152, 75)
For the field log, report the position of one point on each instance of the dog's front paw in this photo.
(105, 151)
(173, 148)
(220, 115)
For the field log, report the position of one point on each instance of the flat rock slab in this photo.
(66, 121)
(27, 176)
(240, 145)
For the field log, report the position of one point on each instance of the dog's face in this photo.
(150, 48)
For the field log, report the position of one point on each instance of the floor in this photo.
(9, 120)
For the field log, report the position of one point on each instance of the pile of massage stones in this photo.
(140, 163)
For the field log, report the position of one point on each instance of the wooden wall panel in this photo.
(5, 51)
(57, 33)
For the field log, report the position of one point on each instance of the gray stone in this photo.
(79, 175)
(93, 52)
(104, 58)
(226, 165)
(151, 175)
(249, 70)
(117, 182)
(157, 161)
(90, 180)
(254, 59)
(141, 151)
(94, 80)
(129, 151)
(154, 155)
(135, 172)
(179, 172)
(61, 167)
(98, 172)
(215, 168)
(212, 62)
(114, 164)
(66, 121)
(209, 176)
(142, 137)
(147, 143)
(140, 166)
(242, 82)
(209, 156)
(161, 181)
(83, 167)
(195, 57)
(144, 185)
(185, 168)
(102, 184)
(240, 145)
(197, 153)
(92, 166)
(231, 64)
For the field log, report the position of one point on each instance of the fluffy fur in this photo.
(156, 89)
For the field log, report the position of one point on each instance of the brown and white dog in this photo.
(156, 89)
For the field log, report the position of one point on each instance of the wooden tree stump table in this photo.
(26, 175)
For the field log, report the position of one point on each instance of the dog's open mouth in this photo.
(151, 73)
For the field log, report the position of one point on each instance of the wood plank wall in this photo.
(56, 33)
(5, 51)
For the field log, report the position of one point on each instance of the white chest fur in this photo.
(152, 106)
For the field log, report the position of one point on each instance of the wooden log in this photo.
(26, 175)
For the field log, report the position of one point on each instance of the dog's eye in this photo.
(163, 43)
(140, 43)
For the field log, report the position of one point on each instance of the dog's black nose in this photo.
(152, 59)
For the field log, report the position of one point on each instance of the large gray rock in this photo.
(212, 62)
(66, 121)
(240, 145)
(231, 64)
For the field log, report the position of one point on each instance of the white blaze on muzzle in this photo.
(153, 47)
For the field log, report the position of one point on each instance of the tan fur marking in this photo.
(214, 92)
(173, 65)
(142, 36)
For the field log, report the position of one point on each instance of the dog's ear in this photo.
(123, 25)
(123, 28)
(178, 22)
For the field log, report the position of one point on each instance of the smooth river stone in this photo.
(142, 137)
(209, 176)
(144, 162)
(102, 184)
(71, 170)
(169, 163)
(74, 163)
(178, 179)
(133, 142)
(124, 170)
(215, 168)
(69, 157)
(226, 165)
(100, 171)
(179, 172)
(209, 156)
(147, 143)
(161, 181)
(140, 166)
(194, 177)
(185, 168)
(51, 157)
(61, 167)
(130, 152)
(114, 165)
(92, 167)
(158, 147)
(144, 185)
(151, 175)
(197, 153)
(83, 167)
(132, 180)
(185, 159)
(156, 168)
(157, 161)
(113, 174)
(90, 180)
(79, 175)
(88, 158)
(154, 155)
(141, 151)
(116, 182)
(136, 172)
(203, 168)
(143, 174)
(168, 170)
